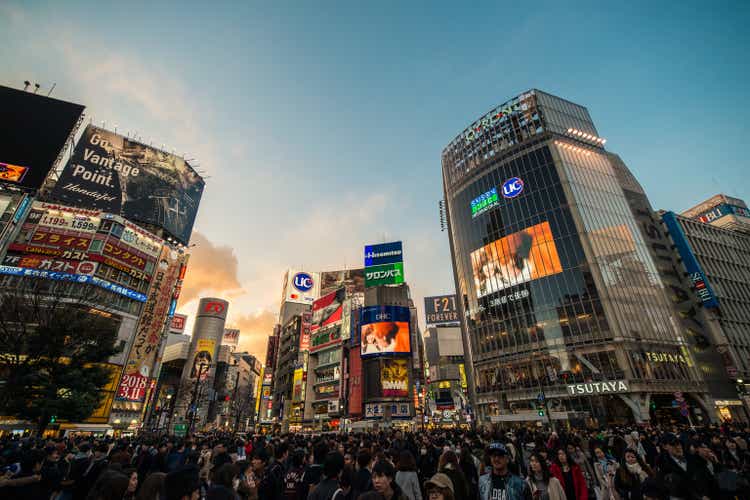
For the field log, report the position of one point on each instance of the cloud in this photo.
(212, 270)
(254, 332)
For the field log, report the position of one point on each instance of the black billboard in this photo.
(33, 132)
(441, 309)
(112, 173)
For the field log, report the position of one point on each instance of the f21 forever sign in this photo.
(110, 172)
(384, 264)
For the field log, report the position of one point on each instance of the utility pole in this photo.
(193, 408)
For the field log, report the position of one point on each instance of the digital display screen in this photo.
(514, 259)
(385, 330)
(484, 202)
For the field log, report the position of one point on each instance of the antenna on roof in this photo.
(26, 84)
(51, 89)
(36, 87)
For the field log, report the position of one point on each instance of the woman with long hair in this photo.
(469, 468)
(151, 487)
(448, 465)
(542, 483)
(406, 475)
(605, 469)
(570, 476)
(111, 485)
(631, 475)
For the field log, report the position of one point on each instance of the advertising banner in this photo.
(392, 410)
(148, 333)
(297, 385)
(35, 129)
(351, 279)
(355, 383)
(346, 320)
(202, 360)
(328, 309)
(31, 261)
(387, 274)
(394, 378)
(441, 309)
(304, 334)
(517, 258)
(300, 287)
(113, 173)
(231, 337)
(384, 253)
(177, 325)
(325, 337)
(384, 330)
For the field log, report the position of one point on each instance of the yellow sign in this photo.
(462, 374)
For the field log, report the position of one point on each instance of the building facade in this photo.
(560, 297)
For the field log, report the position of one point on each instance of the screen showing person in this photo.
(514, 259)
(385, 337)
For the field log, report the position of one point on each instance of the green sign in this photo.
(180, 429)
(386, 274)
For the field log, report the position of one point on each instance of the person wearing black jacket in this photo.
(363, 476)
(681, 474)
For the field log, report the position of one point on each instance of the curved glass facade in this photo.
(556, 282)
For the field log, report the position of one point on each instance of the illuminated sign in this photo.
(12, 173)
(385, 330)
(721, 210)
(387, 274)
(512, 187)
(303, 282)
(441, 309)
(606, 387)
(79, 278)
(484, 202)
(393, 410)
(666, 357)
(384, 253)
(511, 297)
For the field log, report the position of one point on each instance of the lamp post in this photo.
(193, 408)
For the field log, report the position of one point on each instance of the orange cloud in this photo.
(212, 269)
(254, 332)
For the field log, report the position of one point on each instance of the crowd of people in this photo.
(711, 462)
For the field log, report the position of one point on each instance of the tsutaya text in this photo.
(606, 387)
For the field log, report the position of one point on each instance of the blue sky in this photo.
(321, 124)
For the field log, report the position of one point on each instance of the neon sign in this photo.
(484, 202)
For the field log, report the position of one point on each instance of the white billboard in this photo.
(300, 286)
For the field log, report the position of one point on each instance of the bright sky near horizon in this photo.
(321, 124)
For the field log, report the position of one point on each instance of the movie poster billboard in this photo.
(35, 130)
(385, 330)
(328, 309)
(148, 335)
(231, 337)
(514, 259)
(118, 175)
(201, 364)
(394, 377)
(351, 279)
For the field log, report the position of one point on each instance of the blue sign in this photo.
(384, 253)
(79, 278)
(692, 266)
(379, 314)
(172, 308)
(303, 282)
(484, 202)
(21, 210)
(721, 210)
(512, 187)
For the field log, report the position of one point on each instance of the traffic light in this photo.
(53, 419)
(540, 412)
(653, 405)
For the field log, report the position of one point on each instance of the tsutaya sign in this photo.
(605, 387)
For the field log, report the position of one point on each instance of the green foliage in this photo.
(49, 347)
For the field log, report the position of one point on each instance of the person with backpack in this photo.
(292, 482)
(329, 486)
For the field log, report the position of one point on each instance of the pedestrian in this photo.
(110, 485)
(631, 475)
(570, 476)
(439, 487)
(406, 475)
(329, 484)
(292, 482)
(363, 477)
(384, 481)
(182, 484)
(499, 482)
(541, 482)
(224, 483)
(605, 469)
(151, 487)
(448, 465)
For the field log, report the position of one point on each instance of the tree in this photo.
(52, 339)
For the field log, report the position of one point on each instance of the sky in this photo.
(320, 125)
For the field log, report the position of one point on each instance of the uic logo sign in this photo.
(302, 282)
(512, 187)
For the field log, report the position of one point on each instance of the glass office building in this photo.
(561, 300)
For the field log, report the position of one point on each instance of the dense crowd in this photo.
(710, 462)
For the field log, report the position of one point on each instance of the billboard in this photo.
(231, 337)
(304, 334)
(300, 286)
(383, 253)
(351, 279)
(148, 334)
(113, 173)
(177, 325)
(394, 377)
(35, 129)
(441, 309)
(355, 383)
(514, 259)
(695, 272)
(384, 330)
(204, 357)
(325, 337)
(386, 274)
(328, 309)
(484, 202)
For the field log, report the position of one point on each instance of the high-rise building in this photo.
(711, 249)
(565, 315)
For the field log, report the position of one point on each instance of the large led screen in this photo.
(118, 175)
(514, 259)
(394, 377)
(385, 330)
(327, 309)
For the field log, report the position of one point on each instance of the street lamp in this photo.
(193, 408)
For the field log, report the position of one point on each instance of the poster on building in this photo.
(385, 330)
(387, 410)
(346, 320)
(113, 173)
(148, 333)
(177, 324)
(386, 274)
(231, 337)
(325, 337)
(300, 287)
(441, 309)
(297, 385)
(304, 334)
(351, 279)
(383, 253)
(394, 377)
(202, 360)
(328, 309)
(523, 256)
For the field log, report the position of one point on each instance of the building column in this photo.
(707, 405)
(639, 405)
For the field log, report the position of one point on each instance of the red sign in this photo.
(60, 240)
(178, 323)
(48, 263)
(213, 307)
(327, 309)
(355, 382)
(132, 387)
(124, 255)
